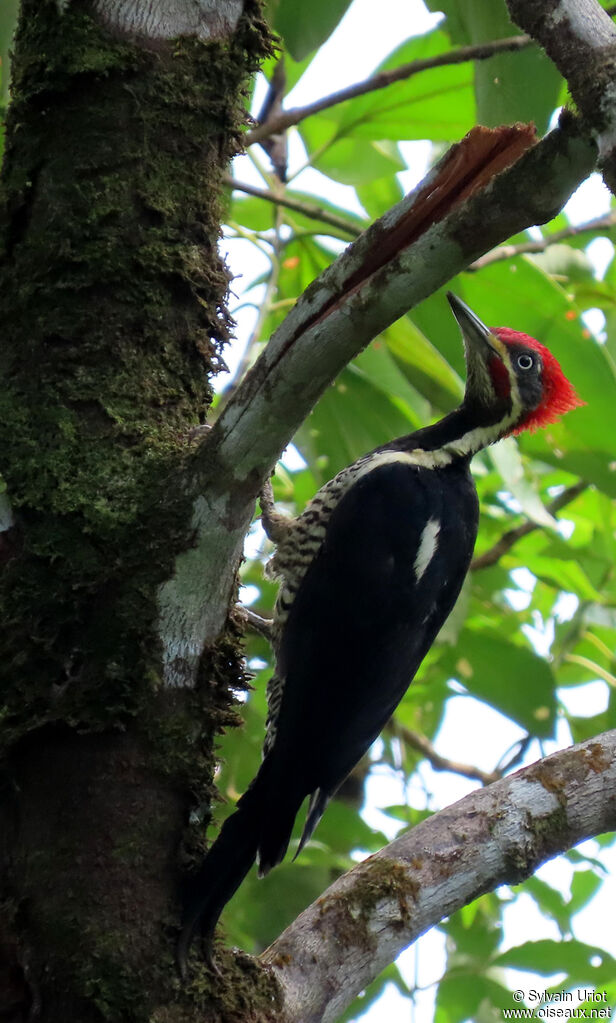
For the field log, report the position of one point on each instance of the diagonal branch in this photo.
(497, 255)
(465, 206)
(337, 946)
(423, 745)
(308, 209)
(511, 537)
(383, 79)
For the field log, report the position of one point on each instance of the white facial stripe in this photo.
(427, 547)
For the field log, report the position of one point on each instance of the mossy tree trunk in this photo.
(112, 305)
(115, 661)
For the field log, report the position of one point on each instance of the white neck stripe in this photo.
(466, 445)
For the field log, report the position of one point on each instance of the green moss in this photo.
(244, 992)
(113, 301)
(546, 837)
(108, 979)
(349, 914)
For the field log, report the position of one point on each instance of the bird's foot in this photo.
(276, 526)
(182, 950)
(263, 626)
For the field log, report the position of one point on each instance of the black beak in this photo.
(480, 345)
(474, 331)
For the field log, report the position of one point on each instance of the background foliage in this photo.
(537, 622)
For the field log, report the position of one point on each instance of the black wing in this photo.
(366, 613)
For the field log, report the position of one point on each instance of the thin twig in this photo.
(382, 79)
(511, 537)
(424, 746)
(592, 666)
(264, 309)
(510, 251)
(519, 749)
(308, 209)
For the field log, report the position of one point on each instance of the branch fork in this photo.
(337, 946)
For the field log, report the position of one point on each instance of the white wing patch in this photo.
(427, 547)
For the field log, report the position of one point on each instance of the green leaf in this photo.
(507, 459)
(263, 907)
(423, 365)
(436, 104)
(576, 857)
(584, 886)
(258, 214)
(457, 999)
(379, 196)
(566, 263)
(501, 82)
(476, 929)
(303, 26)
(510, 677)
(460, 997)
(550, 957)
(355, 161)
(550, 901)
(565, 575)
(252, 213)
(343, 829)
(302, 221)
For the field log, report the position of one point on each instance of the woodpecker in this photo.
(368, 574)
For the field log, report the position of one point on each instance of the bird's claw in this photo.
(275, 525)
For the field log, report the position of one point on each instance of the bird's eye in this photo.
(525, 361)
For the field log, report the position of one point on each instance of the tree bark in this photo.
(497, 835)
(120, 535)
(580, 37)
(114, 320)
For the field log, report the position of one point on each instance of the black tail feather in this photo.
(220, 875)
(259, 827)
(276, 835)
(316, 808)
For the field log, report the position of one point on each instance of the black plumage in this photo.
(370, 571)
(362, 620)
